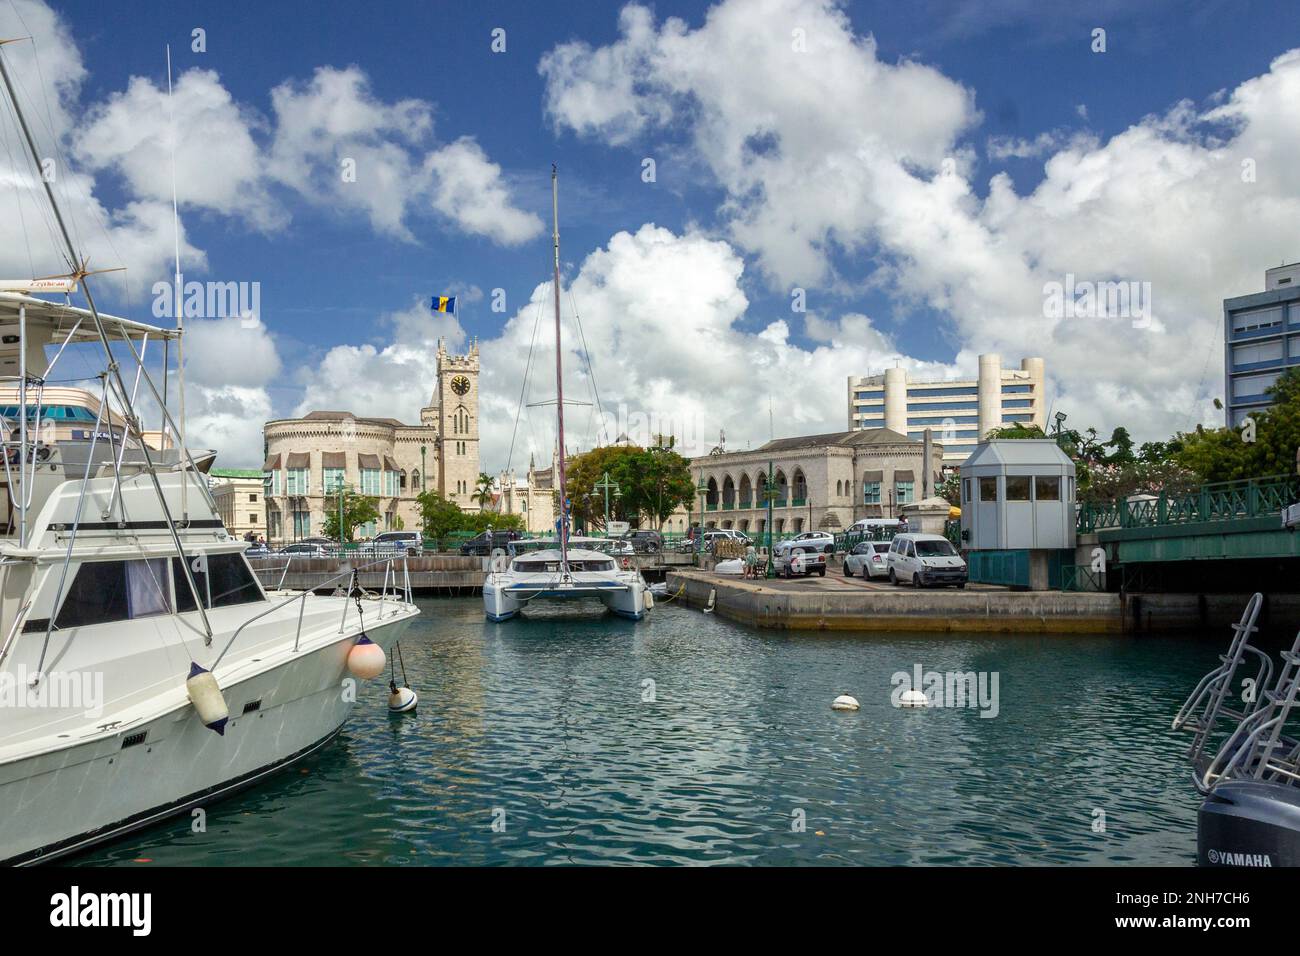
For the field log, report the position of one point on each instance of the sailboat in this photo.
(144, 670)
(563, 572)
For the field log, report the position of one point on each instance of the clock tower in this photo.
(455, 408)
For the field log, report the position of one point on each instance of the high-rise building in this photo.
(1261, 333)
(959, 412)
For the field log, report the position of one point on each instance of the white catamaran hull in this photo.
(126, 777)
(506, 595)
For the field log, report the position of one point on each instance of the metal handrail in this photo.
(303, 598)
(1213, 501)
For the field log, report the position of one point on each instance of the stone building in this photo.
(240, 497)
(822, 481)
(308, 458)
(531, 497)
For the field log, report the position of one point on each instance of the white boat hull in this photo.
(66, 800)
(505, 597)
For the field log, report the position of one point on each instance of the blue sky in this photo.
(331, 281)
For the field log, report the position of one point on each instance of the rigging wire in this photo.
(591, 372)
(523, 388)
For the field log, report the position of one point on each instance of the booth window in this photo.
(1017, 487)
(988, 489)
(1047, 488)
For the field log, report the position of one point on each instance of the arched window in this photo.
(415, 480)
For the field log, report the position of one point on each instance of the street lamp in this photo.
(606, 484)
(770, 493)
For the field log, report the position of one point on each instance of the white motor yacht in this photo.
(143, 668)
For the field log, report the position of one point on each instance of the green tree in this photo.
(483, 490)
(1121, 445)
(357, 510)
(1266, 445)
(439, 516)
(477, 521)
(652, 483)
(1017, 430)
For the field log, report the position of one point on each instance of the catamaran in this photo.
(144, 670)
(562, 573)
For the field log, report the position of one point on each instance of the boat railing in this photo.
(392, 590)
(1205, 706)
(1258, 748)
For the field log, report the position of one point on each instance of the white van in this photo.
(875, 527)
(925, 560)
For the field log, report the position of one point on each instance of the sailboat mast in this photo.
(559, 376)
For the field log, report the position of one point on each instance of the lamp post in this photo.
(606, 485)
(703, 489)
(769, 492)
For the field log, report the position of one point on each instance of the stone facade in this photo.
(532, 497)
(240, 498)
(823, 481)
(378, 457)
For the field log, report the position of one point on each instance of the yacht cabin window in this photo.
(105, 591)
(226, 582)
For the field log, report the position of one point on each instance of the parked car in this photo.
(868, 559)
(648, 541)
(397, 542)
(794, 561)
(304, 549)
(925, 560)
(486, 542)
(808, 541)
(257, 549)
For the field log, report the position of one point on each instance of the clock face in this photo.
(460, 385)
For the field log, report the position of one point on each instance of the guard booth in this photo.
(1017, 512)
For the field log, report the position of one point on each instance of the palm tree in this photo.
(483, 493)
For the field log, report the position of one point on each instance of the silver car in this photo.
(868, 559)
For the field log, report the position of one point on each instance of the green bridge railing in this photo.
(1217, 501)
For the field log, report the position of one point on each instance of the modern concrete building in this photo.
(960, 412)
(241, 501)
(308, 458)
(822, 481)
(1261, 335)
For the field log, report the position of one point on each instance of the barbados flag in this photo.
(444, 303)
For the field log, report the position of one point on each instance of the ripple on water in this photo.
(731, 756)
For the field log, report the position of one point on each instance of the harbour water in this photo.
(544, 742)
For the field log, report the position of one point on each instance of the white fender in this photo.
(205, 695)
(845, 702)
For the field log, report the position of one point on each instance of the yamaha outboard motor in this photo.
(1249, 823)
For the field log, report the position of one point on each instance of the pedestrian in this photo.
(751, 562)
(902, 524)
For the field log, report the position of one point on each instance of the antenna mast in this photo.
(559, 378)
(177, 286)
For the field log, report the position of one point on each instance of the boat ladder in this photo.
(1208, 703)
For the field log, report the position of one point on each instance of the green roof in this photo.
(237, 473)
